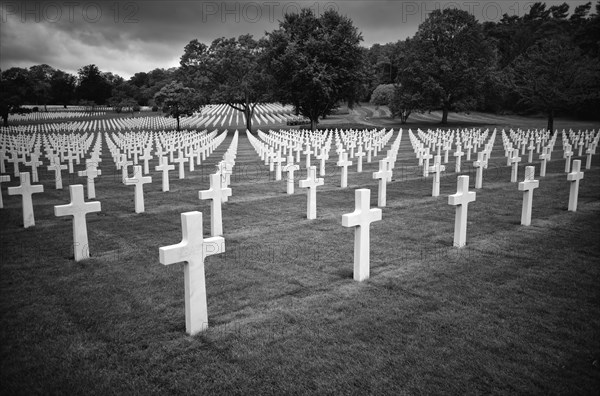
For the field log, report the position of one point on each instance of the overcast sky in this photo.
(125, 37)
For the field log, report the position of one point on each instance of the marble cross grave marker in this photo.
(479, 164)
(57, 167)
(311, 183)
(384, 174)
(164, 167)
(515, 159)
(91, 172)
(574, 178)
(78, 208)
(290, 167)
(361, 220)
(216, 193)
(138, 180)
(437, 168)
(25, 190)
(192, 250)
(344, 163)
(3, 179)
(461, 200)
(527, 186)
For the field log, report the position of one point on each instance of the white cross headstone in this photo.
(57, 168)
(544, 157)
(515, 159)
(308, 152)
(458, 154)
(78, 208)
(290, 167)
(527, 186)
(146, 157)
(437, 168)
(311, 182)
(25, 190)
(34, 164)
(426, 157)
(90, 172)
(3, 179)
(574, 178)
(277, 160)
(588, 161)
(192, 250)
(479, 164)
(216, 193)
(384, 174)
(138, 180)
(567, 155)
(181, 160)
(344, 163)
(164, 167)
(361, 220)
(359, 154)
(461, 200)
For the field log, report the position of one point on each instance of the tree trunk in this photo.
(248, 115)
(313, 124)
(177, 123)
(5, 119)
(445, 115)
(551, 120)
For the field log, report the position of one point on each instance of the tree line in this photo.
(546, 61)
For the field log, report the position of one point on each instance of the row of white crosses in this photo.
(425, 143)
(422, 143)
(53, 148)
(583, 140)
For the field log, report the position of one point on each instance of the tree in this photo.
(449, 60)
(14, 86)
(316, 62)
(554, 76)
(177, 100)
(383, 94)
(232, 70)
(405, 102)
(93, 85)
(40, 76)
(62, 87)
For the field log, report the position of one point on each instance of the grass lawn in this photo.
(514, 312)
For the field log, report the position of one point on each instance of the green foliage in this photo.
(316, 62)
(177, 100)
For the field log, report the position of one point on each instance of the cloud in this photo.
(126, 37)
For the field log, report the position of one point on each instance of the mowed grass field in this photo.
(514, 312)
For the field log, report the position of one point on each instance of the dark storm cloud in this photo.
(125, 37)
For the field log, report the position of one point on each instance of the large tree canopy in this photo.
(448, 60)
(316, 62)
(232, 70)
(93, 86)
(15, 83)
(177, 100)
(553, 76)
